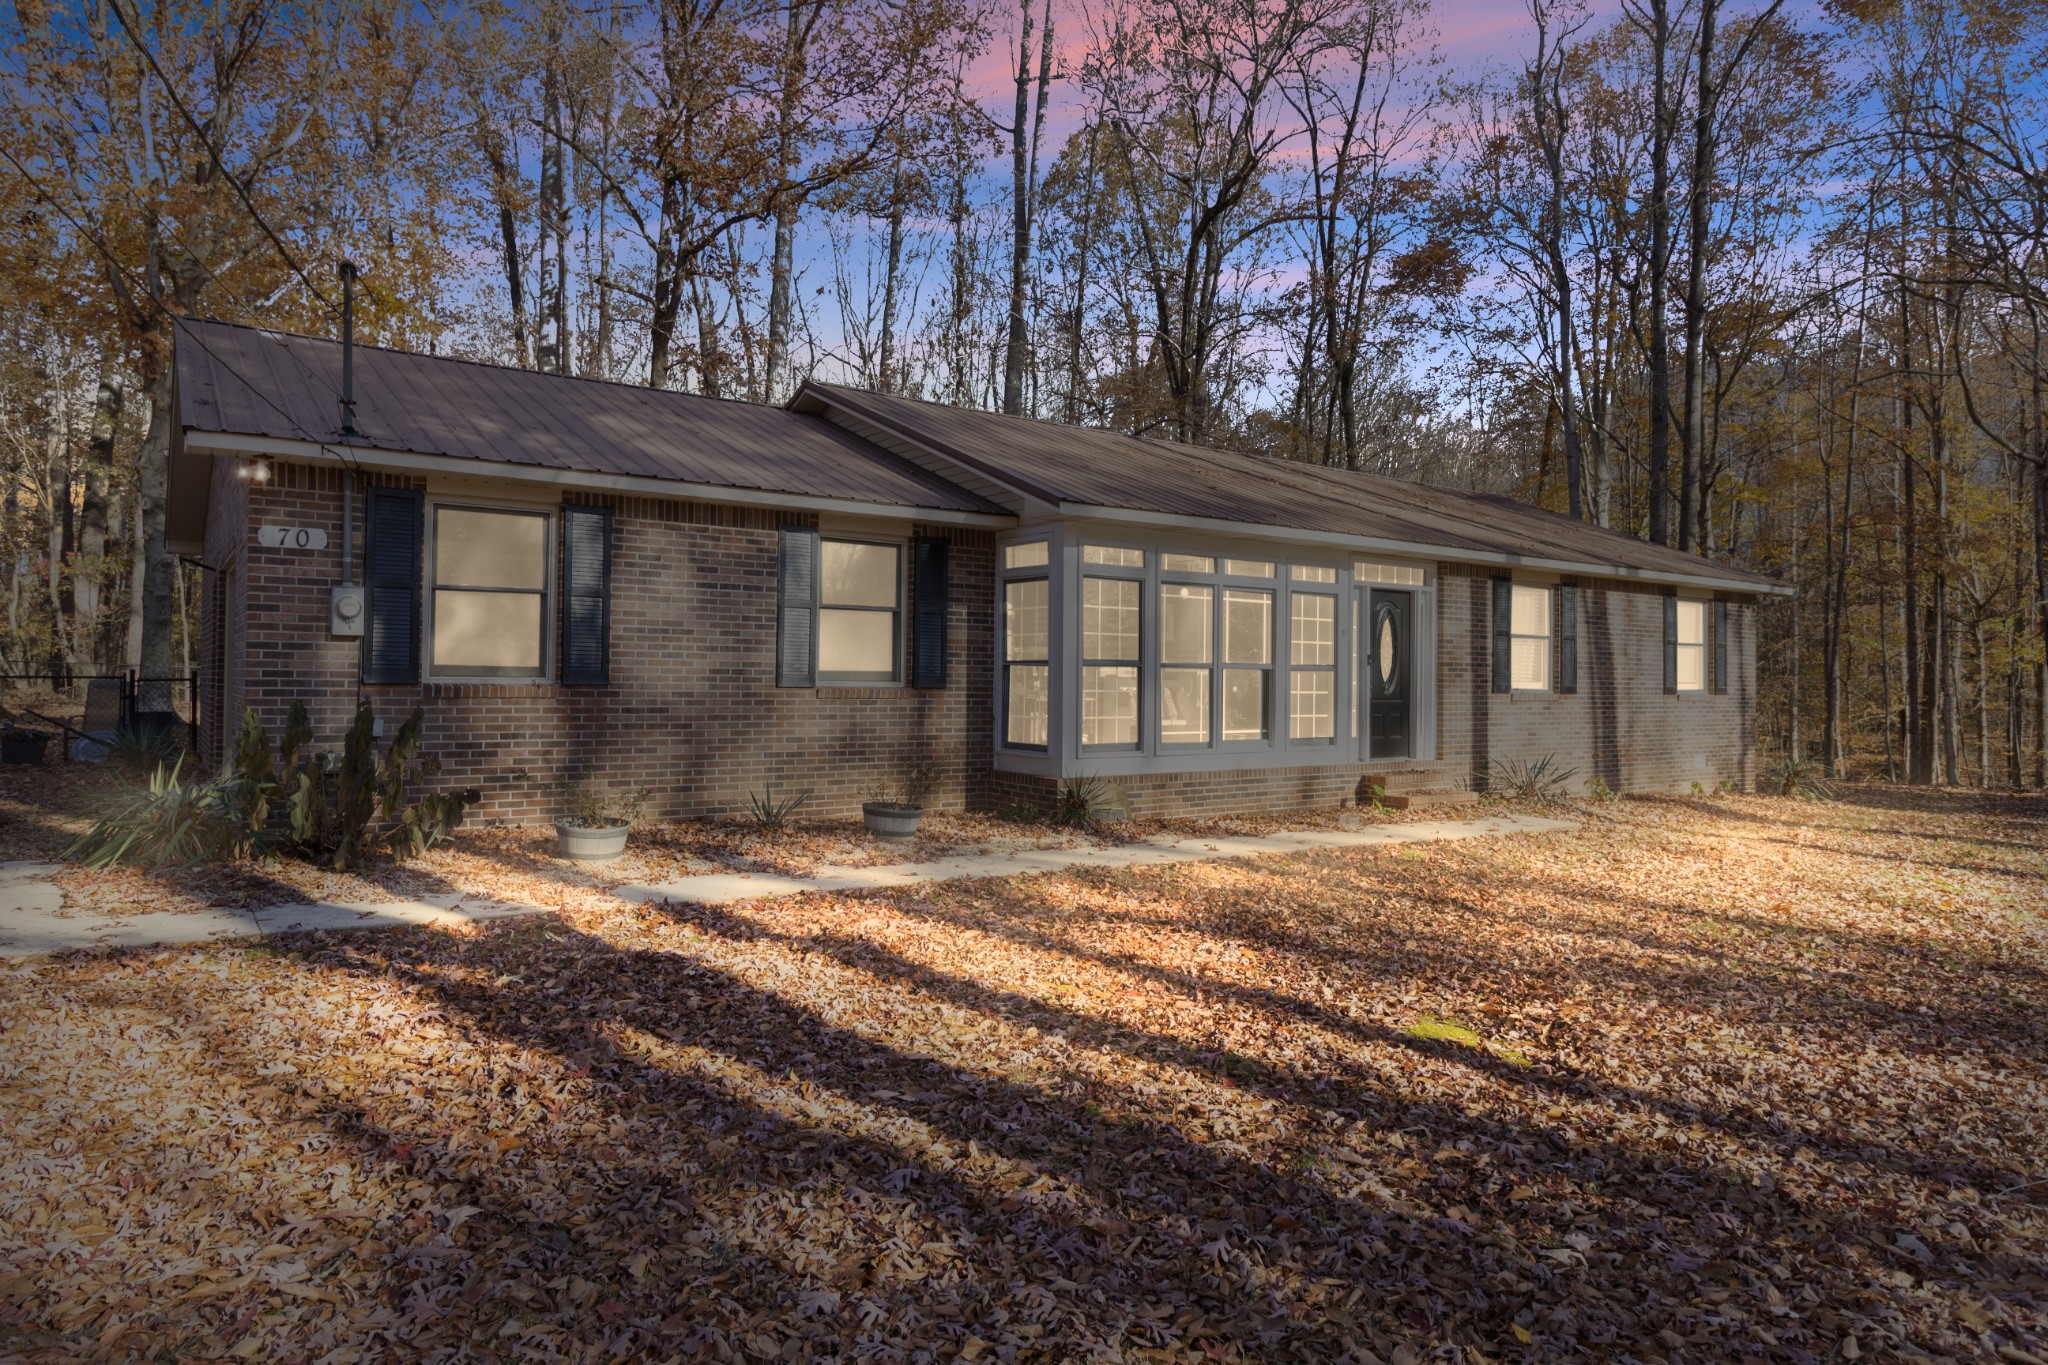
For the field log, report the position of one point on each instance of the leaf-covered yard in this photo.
(1711, 1080)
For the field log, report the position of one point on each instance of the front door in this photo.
(1386, 686)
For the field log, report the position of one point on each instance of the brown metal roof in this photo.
(1085, 467)
(253, 382)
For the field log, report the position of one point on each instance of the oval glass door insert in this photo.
(1385, 650)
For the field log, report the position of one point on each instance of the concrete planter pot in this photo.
(888, 821)
(590, 843)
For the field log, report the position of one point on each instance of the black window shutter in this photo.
(391, 639)
(928, 628)
(1503, 634)
(1720, 645)
(796, 636)
(586, 595)
(1671, 643)
(1567, 637)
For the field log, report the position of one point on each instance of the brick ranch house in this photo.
(707, 598)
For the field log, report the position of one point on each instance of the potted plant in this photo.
(894, 810)
(593, 824)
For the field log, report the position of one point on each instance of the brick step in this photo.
(1412, 780)
(1425, 800)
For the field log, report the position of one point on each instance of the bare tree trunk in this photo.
(1023, 192)
(508, 233)
(153, 464)
(554, 350)
(1660, 278)
(782, 257)
(1983, 705)
(888, 380)
(89, 571)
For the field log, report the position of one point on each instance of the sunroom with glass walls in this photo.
(1125, 655)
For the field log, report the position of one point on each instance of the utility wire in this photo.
(121, 16)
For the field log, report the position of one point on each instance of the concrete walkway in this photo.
(719, 888)
(33, 919)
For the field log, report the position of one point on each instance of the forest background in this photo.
(1765, 281)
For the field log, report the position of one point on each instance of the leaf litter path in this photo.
(1728, 1080)
(34, 921)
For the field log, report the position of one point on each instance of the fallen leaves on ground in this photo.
(1708, 1080)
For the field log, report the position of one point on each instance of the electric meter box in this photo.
(345, 610)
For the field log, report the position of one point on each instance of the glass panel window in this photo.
(1027, 637)
(1113, 554)
(1692, 646)
(489, 592)
(1183, 705)
(1187, 649)
(1187, 563)
(1109, 706)
(1400, 575)
(1186, 624)
(1031, 554)
(1248, 568)
(1313, 573)
(1315, 630)
(1247, 627)
(1312, 654)
(1109, 662)
(1244, 703)
(1530, 645)
(860, 603)
(1312, 704)
(1247, 663)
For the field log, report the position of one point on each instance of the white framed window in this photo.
(488, 598)
(1692, 645)
(1530, 646)
(1312, 573)
(1247, 568)
(860, 611)
(1312, 667)
(1116, 556)
(1393, 575)
(1027, 554)
(1172, 563)
(1187, 661)
(1247, 664)
(1027, 643)
(1110, 619)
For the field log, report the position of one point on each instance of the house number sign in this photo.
(291, 537)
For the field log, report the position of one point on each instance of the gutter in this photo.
(1083, 511)
(311, 452)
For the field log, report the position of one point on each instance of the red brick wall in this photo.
(1620, 727)
(692, 712)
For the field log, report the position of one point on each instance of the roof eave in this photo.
(413, 462)
(814, 398)
(1455, 554)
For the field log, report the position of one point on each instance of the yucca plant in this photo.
(770, 812)
(1084, 800)
(1538, 779)
(175, 822)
